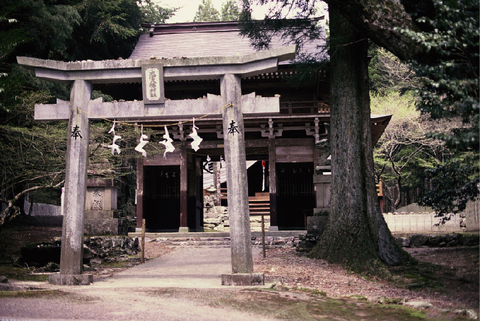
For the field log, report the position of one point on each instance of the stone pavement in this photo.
(186, 267)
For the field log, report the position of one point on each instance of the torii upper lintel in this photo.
(127, 70)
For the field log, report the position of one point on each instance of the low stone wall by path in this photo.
(96, 249)
(308, 241)
(443, 240)
(279, 241)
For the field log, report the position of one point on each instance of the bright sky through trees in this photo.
(190, 7)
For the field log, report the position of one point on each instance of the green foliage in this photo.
(404, 150)
(153, 13)
(21, 91)
(109, 29)
(33, 153)
(10, 39)
(451, 75)
(32, 158)
(388, 74)
(230, 11)
(44, 29)
(71, 30)
(206, 12)
(453, 185)
(295, 31)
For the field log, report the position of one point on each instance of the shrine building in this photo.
(284, 131)
(170, 189)
(206, 95)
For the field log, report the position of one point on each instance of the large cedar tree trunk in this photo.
(356, 235)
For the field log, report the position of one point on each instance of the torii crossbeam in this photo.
(80, 109)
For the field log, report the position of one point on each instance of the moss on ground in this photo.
(302, 305)
(21, 273)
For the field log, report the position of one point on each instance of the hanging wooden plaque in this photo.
(152, 83)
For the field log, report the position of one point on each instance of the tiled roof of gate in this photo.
(200, 39)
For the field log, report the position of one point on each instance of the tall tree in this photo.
(357, 234)
(444, 50)
(441, 40)
(34, 152)
(206, 12)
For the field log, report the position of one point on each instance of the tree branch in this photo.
(11, 203)
(382, 21)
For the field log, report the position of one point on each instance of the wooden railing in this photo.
(304, 107)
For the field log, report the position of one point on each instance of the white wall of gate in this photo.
(427, 222)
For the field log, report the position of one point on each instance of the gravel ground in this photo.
(459, 275)
(461, 290)
(119, 293)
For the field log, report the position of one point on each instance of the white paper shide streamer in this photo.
(167, 142)
(141, 145)
(196, 139)
(114, 145)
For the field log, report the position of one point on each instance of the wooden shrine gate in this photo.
(230, 105)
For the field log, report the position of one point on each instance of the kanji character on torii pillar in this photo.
(80, 109)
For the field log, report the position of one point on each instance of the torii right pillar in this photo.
(239, 215)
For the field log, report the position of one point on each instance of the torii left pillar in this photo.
(71, 257)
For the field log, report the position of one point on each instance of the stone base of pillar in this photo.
(71, 279)
(243, 279)
(183, 229)
(273, 228)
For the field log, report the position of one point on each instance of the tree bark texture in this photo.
(357, 235)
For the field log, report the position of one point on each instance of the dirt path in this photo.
(181, 285)
(184, 284)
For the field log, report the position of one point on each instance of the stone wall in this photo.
(443, 240)
(39, 209)
(308, 241)
(96, 250)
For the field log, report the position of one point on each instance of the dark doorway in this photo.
(257, 178)
(295, 194)
(161, 198)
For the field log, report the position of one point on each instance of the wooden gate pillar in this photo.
(183, 188)
(272, 170)
(139, 195)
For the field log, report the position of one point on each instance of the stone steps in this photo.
(272, 239)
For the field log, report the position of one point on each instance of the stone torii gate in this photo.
(80, 109)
